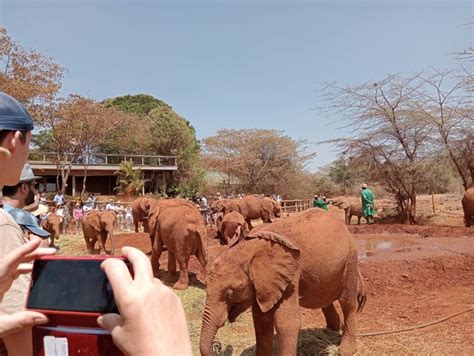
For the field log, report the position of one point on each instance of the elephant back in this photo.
(321, 237)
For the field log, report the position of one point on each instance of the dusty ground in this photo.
(413, 275)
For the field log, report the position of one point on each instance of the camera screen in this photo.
(70, 285)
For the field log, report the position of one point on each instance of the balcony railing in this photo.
(103, 159)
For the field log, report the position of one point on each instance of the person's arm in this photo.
(11, 266)
(151, 320)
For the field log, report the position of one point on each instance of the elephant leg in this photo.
(171, 264)
(183, 281)
(288, 321)
(358, 219)
(266, 217)
(135, 223)
(51, 241)
(348, 302)
(201, 257)
(333, 322)
(264, 323)
(102, 239)
(156, 250)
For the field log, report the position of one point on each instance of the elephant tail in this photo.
(361, 295)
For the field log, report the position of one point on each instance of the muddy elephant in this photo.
(96, 226)
(140, 209)
(350, 209)
(230, 227)
(258, 207)
(180, 227)
(307, 260)
(468, 206)
(52, 224)
(225, 206)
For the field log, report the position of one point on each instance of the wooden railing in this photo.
(295, 206)
(103, 159)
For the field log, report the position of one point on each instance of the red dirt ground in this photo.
(431, 276)
(404, 288)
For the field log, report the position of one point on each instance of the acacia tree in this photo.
(388, 135)
(27, 75)
(256, 161)
(443, 102)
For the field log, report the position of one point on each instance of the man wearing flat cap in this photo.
(22, 194)
(15, 135)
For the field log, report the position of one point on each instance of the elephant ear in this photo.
(94, 221)
(344, 205)
(273, 268)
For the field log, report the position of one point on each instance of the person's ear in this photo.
(24, 187)
(8, 145)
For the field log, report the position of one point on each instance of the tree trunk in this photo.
(412, 210)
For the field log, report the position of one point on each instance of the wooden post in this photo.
(73, 185)
(433, 203)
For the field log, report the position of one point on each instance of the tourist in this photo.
(129, 217)
(78, 215)
(58, 199)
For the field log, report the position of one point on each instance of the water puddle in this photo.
(375, 245)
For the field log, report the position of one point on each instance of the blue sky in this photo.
(239, 64)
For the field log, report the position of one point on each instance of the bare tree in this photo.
(388, 135)
(443, 102)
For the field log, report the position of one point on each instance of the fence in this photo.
(295, 206)
(95, 159)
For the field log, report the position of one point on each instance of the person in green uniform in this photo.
(319, 203)
(368, 198)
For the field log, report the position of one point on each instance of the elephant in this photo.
(307, 260)
(140, 209)
(180, 227)
(225, 206)
(96, 225)
(351, 209)
(468, 206)
(52, 224)
(230, 226)
(258, 207)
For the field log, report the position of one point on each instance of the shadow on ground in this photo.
(311, 341)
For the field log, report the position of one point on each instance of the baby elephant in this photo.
(276, 269)
(97, 225)
(350, 210)
(231, 226)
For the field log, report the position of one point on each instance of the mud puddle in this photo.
(373, 245)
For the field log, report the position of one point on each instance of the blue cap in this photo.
(28, 221)
(13, 116)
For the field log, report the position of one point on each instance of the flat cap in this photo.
(13, 116)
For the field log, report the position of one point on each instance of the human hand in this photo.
(11, 323)
(15, 262)
(151, 320)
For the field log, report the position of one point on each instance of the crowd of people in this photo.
(151, 319)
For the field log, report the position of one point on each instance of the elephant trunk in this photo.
(209, 329)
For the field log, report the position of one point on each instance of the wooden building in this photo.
(100, 170)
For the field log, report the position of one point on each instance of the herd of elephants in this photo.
(309, 259)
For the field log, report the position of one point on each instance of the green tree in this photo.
(161, 132)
